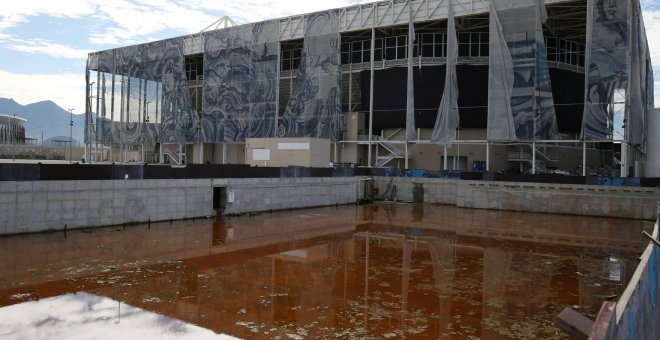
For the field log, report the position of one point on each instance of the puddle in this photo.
(375, 271)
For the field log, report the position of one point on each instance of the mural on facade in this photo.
(606, 65)
(530, 93)
(314, 108)
(240, 82)
(447, 120)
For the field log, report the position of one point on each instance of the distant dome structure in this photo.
(12, 129)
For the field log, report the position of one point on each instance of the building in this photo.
(12, 129)
(481, 87)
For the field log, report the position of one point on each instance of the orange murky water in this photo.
(374, 271)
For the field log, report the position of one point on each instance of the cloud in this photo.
(13, 13)
(67, 89)
(42, 46)
(124, 22)
(252, 11)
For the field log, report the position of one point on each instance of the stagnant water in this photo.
(374, 271)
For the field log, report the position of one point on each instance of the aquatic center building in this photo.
(512, 86)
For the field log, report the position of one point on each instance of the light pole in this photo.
(89, 123)
(144, 131)
(71, 135)
(12, 131)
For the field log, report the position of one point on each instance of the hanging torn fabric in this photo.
(410, 98)
(447, 120)
(526, 81)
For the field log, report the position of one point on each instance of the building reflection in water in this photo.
(382, 270)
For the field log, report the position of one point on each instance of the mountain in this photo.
(44, 117)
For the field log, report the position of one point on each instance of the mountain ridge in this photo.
(45, 119)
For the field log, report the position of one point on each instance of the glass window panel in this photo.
(390, 53)
(378, 55)
(356, 57)
(464, 50)
(427, 51)
(463, 38)
(401, 52)
(390, 42)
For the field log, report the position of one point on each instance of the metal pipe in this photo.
(533, 158)
(371, 94)
(71, 135)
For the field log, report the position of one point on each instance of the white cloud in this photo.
(13, 13)
(253, 11)
(42, 46)
(72, 9)
(123, 22)
(66, 90)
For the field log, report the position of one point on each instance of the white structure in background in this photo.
(12, 129)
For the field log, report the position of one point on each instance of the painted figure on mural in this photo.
(607, 68)
(313, 108)
(177, 113)
(240, 82)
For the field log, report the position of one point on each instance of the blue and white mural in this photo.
(530, 92)
(139, 77)
(314, 108)
(607, 64)
(240, 82)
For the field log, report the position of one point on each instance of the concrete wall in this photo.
(264, 194)
(33, 206)
(590, 200)
(37, 152)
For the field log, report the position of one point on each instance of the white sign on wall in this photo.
(260, 154)
(293, 146)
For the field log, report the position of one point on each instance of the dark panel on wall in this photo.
(429, 85)
(55, 172)
(390, 95)
(568, 93)
(472, 95)
(19, 172)
(121, 171)
(540, 178)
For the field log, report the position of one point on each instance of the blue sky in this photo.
(44, 43)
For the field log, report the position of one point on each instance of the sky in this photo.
(44, 43)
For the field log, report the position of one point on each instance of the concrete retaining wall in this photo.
(33, 206)
(590, 200)
(263, 194)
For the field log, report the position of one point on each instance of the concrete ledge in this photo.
(589, 200)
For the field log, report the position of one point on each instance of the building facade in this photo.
(12, 129)
(459, 84)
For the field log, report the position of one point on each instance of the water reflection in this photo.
(380, 271)
(82, 315)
